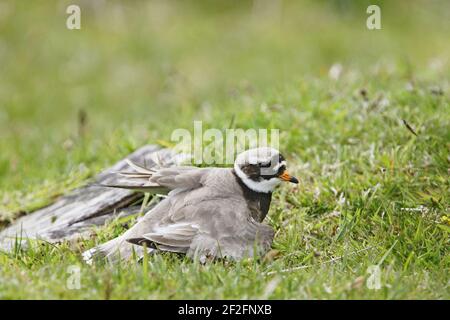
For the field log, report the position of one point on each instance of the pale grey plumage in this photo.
(205, 215)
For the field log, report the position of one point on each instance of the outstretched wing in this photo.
(158, 180)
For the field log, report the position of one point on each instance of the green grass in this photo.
(142, 70)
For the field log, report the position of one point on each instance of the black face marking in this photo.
(268, 176)
(253, 171)
(281, 170)
(264, 165)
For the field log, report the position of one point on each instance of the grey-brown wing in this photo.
(180, 177)
(159, 180)
(219, 226)
(175, 237)
(242, 239)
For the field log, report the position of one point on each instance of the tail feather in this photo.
(137, 181)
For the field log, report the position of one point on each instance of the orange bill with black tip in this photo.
(285, 176)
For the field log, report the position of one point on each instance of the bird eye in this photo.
(281, 169)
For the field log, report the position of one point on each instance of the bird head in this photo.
(262, 169)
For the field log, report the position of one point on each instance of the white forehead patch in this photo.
(258, 155)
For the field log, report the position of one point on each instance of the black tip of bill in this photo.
(293, 180)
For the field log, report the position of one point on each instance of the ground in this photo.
(372, 193)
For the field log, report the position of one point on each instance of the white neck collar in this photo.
(264, 186)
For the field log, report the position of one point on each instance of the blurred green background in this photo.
(73, 102)
(137, 70)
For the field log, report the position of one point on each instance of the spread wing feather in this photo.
(158, 180)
